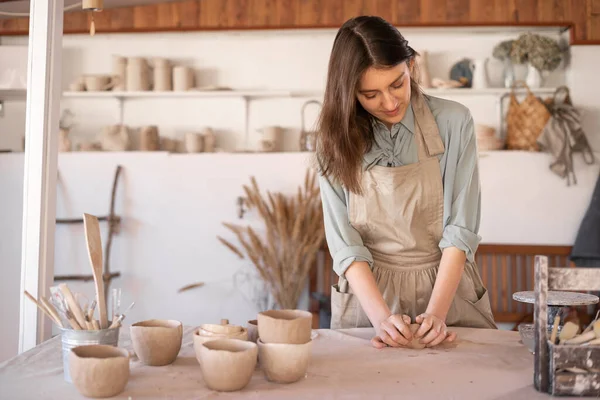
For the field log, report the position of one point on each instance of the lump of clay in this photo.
(415, 344)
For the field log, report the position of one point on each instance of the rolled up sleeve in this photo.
(344, 242)
(462, 228)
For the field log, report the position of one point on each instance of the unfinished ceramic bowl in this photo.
(99, 370)
(227, 364)
(157, 341)
(219, 329)
(415, 344)
(200, 339)
(285, 326)
(252, 327)
(283, 362)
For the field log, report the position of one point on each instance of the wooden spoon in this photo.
(94, 246)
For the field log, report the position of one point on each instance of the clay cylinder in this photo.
(119, 69)
(194, 143)
(149, 138)
(183, 78)
(163, 78)
(209, 140)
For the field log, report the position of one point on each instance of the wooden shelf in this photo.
(451, 92)
(13, 94)
(173, 94)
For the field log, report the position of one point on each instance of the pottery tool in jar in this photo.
(94, 246)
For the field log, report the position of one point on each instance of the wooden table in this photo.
(482, 364)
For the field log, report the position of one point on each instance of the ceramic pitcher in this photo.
(479, 68)
(138, 74)
(119, 69)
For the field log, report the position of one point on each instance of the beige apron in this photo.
(399, 218)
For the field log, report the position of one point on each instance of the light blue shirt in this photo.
(397, 147)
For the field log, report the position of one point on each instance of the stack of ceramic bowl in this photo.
(284, 344)
(226, 357)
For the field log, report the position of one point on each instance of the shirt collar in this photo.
(408, 121)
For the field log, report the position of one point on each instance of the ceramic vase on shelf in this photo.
(534, 77)
(120, 71)
(163, 79)
(480, 78)
(509, 73)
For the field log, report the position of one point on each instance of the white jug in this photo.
(480, 79)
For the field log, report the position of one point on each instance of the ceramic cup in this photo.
(252, 327)
(285, 326)
(99, 370)
(157, 342)
(227, 364)
(206, 333)
(98, 83)
(149, 138)
(284, 362)
(183, 78)
(194, 142)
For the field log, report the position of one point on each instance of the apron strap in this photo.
(429, 141)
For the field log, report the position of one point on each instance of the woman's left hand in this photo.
(433, 330)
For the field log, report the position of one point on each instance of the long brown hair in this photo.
(344, 131)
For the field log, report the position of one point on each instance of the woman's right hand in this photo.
(394, 331)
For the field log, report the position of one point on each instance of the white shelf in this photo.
(173, 94)
(13, 94)
(485, 92)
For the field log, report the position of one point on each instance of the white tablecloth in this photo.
(482, 364)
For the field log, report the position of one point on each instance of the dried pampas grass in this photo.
(294, 233)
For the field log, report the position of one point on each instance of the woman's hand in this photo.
(433, 330)
(394, 331)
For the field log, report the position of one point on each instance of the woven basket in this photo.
(525, 121)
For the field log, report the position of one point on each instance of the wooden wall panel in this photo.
(483, 10)
(407, 11)
(284, 14)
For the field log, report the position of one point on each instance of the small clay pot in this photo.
(252, 327)
(227, 364)
(200, 339)
(415, 344)
(283, 362)
(285, 326)
(157, 342)
(99, 370)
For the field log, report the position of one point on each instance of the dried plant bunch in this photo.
(293, 234)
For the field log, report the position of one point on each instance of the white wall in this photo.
(173, 205)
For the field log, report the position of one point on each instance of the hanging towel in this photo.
(562, 136)
(586, 249)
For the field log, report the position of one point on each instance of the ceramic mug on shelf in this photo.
(183, 78)
(99, 83)
(271, 137)
(194, 142)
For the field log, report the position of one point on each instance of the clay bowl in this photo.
(285, 326)
(99, 370)
(219, 330)
(252, 327)
(284, 363)
(200, 339)
(227, 364)
(157, 342)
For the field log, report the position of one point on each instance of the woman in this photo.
(400, 191)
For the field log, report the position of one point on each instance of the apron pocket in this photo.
(478, 314)
(345, 309)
